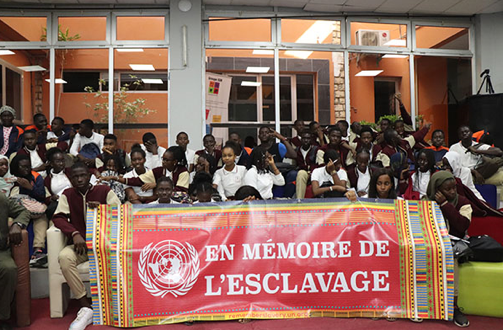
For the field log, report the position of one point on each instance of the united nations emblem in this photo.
(168, 267)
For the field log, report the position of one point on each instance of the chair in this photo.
(21, 257)
(59, 294)
(490, 194)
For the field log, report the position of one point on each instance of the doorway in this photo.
(384, 103)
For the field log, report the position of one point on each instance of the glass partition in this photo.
(228, 29)
(378, 34)
(140, 28)
(311, 31)
(439, 37)
(23, 28)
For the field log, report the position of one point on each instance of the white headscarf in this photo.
(454, 160)
(462, 173)
(7, 181)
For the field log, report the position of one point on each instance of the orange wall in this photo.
(31, 28)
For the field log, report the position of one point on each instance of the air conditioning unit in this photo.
(372, 37)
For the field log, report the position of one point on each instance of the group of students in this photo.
(56, 172)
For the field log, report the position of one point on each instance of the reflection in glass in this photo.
(437, 37)
(378, 34)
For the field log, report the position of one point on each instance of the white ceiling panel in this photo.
(323, 8)
(434, 6)
(469, 7)
(251, 3)
(497, 7)
(288, 3)
(217, 2)
(364, 3)
(326, 2)
(398, 6)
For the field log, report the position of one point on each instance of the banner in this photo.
(159, 264)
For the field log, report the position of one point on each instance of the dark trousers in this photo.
(8, 280)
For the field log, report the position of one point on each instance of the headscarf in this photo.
(7, 181)
(436, 180)
(7, 108)
(454, 160)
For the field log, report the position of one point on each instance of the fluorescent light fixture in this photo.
(263, 52)
(142, 67)
(57, 81)
(251, 83)
(6, 52)
(396, 43)
(32, 68)
(368, 73)
(299, 53)
(394, 56)
(257, 69)
(153, 81)
(130, 50)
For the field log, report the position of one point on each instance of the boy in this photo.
(153, 151)
(83, 137)
(40, 127)
(110, 148)
(182, 140)
(214, 155)
(306, 163)
(58, 132)
(299, 127)
(70, 218)
(438, 145)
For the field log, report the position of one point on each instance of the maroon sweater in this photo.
(404, 145)
(70, 216)
(159, 172)
(42, 151)
(307, 163)
(458, 224)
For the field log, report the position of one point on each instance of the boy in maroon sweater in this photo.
(70, 218)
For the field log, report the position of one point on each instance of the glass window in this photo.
(23, 29)
(382, 80)
(76, 82)
(144, 81)
(140, 28)
(311, 31)
(229, 29)
(437, 37)
(78, 28)
(378, 35)
(243, 99)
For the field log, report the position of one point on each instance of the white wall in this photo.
(489, 48)
(185, 111)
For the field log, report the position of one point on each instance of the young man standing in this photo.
(70, 218)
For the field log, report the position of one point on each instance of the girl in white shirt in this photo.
(330, 180)
(260, 177)
(229, 178)
(135, 195)
(164, 191)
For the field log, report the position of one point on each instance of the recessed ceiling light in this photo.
(257, 69)
(130, 50)
(57, 81)
(368, 73)
(142, 67)
(263, 52)
(6, 52)
(395, 56)
(396, 43)
(251, 83)
(152, 81)
(31, 68)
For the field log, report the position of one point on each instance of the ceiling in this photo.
(412, 7)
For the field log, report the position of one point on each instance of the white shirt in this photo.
(153, 161)
(79, 141)
(263, 182)
(422, 185)
(59, 182)
(36, 161)
(321, 175)
(189, 155)
(52, 135)
(467, 158)
(137, 190)
(363, 182)
(228, 182)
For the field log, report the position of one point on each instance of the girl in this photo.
(202, 165)
(204, 193)
(359, 174)
(457, 212)
(7, 180)
(452, 163)
(202, 180)
(329, 180)
(164, 190)
(57, 179)
(229, 178)
(214, 155)
(382, 184)
(415, 187)
(260, 177)
(135, 195)
(30, 183)
(112, 165)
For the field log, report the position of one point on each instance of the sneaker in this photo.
(38, 258)
(460, 319)
(83, 319)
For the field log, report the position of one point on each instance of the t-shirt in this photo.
(228, 182)
(321, 175)
(263, 182)
(79, 141)
(467, 158)
(137, 190)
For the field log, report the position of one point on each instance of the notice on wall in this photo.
(218, 89)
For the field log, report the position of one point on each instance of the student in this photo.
(306, 163)
(438, 146)
(337, 144)
(70, 218)
(57, 179)
(10, 235)
(414, 188)
(384, 124)
(110, 147)
(40, 126)
(242, 153)
(260, 176)
(164, 189)
(135, 195)
(202, 165)
(343, 127)
(247, 194)
(457, 213)
(452, 163)
(112, 167)
(204, 193)
(354, 133)
(7, 180)
(229, 178)
(319, 137)
(382, 184)
(331, 179)
(365, 141)
(203, 178)
(153, 151)
(172, 167)
(58, 132)
(214, 156)
(359, 174)
(182, 140)
(82, 138)
(30, 183)
(299, 127)
(10, 134)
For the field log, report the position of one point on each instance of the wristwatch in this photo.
(19, 224)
